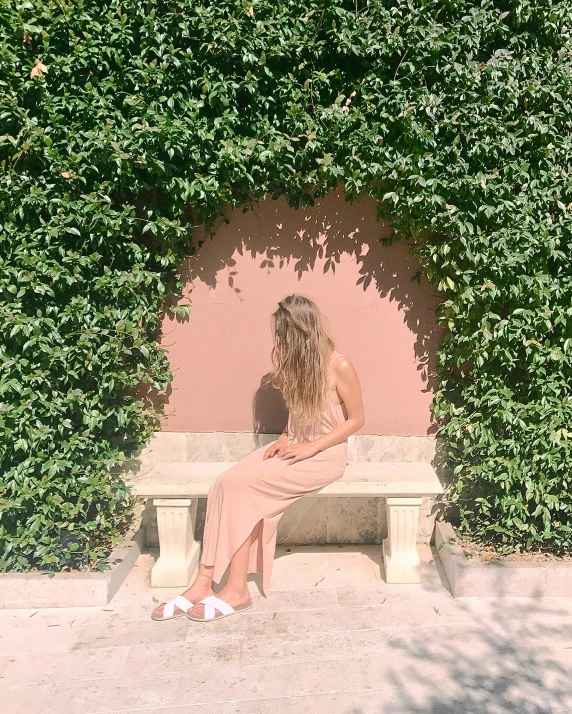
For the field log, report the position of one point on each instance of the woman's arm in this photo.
(348, 387)
(277, 446)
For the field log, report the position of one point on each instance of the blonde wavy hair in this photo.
(300, 357)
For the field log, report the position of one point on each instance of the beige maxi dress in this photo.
(253, 494)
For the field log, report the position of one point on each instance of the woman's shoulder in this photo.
(339, 360)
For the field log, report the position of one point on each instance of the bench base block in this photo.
(400, 556)
(179, 552)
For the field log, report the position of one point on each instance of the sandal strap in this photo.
(213, 603)
(181, 602)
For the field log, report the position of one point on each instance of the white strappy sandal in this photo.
(169, 610)
(213, 603)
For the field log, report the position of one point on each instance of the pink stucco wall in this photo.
(376, 316)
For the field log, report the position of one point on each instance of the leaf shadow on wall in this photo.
(317, 239)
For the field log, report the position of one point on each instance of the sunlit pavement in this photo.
(332, 638)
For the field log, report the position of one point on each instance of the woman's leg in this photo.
(237, 499)
(235, 592)
(202, 586)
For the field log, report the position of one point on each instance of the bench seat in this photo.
(176, 487)
(361, 478)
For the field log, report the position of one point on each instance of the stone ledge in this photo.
(474, 579)
(182, 446)
(96, 589)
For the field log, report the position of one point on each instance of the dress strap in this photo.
(334, 359)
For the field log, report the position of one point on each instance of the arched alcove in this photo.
(376, 315)
(216, 406)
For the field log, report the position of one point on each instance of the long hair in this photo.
(300, 357)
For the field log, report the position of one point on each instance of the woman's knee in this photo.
(216, 487)
(228, 482)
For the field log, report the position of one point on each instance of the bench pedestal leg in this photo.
(400, 556)
(179, 552)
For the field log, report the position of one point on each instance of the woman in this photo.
(323, 395)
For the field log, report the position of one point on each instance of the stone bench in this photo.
(175, 488)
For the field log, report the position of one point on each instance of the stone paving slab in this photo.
(332, 638)
(66, 666)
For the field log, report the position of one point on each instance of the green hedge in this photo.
(125, 124)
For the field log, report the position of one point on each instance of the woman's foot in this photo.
(200, 589)
(231, 595)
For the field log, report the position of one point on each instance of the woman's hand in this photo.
(276, 447)
(299, 452)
